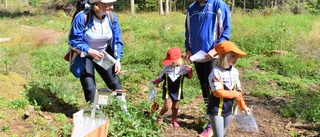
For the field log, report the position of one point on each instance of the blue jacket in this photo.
(207, 26)
(77, 43)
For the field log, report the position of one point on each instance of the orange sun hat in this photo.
(228, 46)
(172, 55)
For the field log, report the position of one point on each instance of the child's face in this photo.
(174, 63)
(232, 60)
(177, 62)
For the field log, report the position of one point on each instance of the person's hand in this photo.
(117, 67)
(157, 81)
(188, 68)
(95, 54)
(189, 71)
(188, 55)
(210, 54)
(248, 111)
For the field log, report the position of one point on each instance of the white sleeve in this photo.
(162, 72)
(215, 80)
(184, 70)
(238, 84)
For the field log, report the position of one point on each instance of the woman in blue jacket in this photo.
(94, 32)
(207, 24)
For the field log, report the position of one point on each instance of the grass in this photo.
(147, 36)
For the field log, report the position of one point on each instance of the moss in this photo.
(11, 86)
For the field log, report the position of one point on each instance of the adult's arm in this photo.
(117, 39)
(76, 34)
(187, 33)
(224, 22)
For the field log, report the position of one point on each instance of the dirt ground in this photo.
(268, 118)
(270, 122)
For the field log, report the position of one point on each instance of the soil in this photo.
(268, 118)
(270, 123)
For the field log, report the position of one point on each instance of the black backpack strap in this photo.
(88, 16)
(80, 6)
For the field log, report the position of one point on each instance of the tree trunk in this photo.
(173, 5)
(184, 4)
(160, 7)
(132, 6)
(232, 6)
(244, 7)
(6, 4)
(167, 7)
(170, 5)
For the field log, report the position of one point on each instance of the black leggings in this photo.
(88, 79)
(203, 72)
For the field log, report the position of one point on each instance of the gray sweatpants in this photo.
(219, 125)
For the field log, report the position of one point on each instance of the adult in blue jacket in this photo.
(207, 23)
(91, 34)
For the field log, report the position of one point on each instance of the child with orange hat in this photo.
(173, 74)
(225, 88)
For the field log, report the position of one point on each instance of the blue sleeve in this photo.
(76, 34)
(187, 33)
(117, 38)
(226, 23)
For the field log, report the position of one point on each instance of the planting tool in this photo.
(152, 96)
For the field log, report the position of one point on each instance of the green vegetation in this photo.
(292, 73)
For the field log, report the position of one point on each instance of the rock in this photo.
(5, 39)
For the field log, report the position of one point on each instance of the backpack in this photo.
(81, 5)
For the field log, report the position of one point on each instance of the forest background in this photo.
(281, 75)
